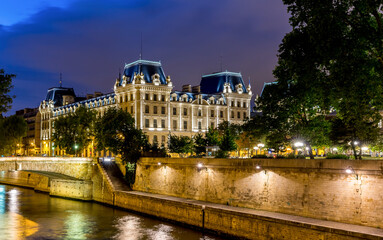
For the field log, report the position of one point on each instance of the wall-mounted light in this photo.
(159, 163)
(199, 165)
(350, 170)
(258, 167)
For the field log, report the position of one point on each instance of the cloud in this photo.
(88, 41)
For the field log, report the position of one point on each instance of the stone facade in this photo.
(145, 92)
(309, 188)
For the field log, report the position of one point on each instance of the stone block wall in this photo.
(310, 188)
(25, 179)
(80, 168)
(102, 191)
(71, 189)
(177, 211)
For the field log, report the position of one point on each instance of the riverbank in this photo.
(228, 196)
(234, 221)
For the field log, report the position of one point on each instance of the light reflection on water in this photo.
(25, 214)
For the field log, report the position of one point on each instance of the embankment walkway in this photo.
(234, 221)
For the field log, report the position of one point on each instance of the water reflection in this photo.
(77, 226)
(25, 214)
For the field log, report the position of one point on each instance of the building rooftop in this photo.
(214, 83)
(147, 68)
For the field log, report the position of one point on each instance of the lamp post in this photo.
(75, 149)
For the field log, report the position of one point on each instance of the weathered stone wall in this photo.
(25, 179)
(310, 188)
(80, 168)
(75, 189)
(103, 190)
(176, 211)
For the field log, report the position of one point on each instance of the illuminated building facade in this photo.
(144, 91)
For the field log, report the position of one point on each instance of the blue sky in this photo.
(88, 41)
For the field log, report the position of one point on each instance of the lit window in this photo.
(155, 123)
(174, 124)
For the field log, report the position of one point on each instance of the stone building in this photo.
(145, 92)
(31, 142)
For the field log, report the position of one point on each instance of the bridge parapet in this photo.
(80, 168)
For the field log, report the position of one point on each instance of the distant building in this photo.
(145, 92)
(31, 143)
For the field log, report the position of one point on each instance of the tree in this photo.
(115, 131)
(212, 137)
(12, 130)
(229, 134)
(199, 144)
(74, 131)
(180, 144)
(5, 88)
(332, 60)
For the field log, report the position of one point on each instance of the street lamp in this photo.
(75, 149)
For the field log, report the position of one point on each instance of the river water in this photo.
(26, 214)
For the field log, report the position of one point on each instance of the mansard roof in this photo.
(103, 100)
(214, 83)
(56, 94)
(147, 68)
(178, 96)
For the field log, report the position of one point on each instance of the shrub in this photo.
(260, 156)
(337, 156)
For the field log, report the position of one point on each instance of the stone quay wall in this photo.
(309, 188)
(25, 179)
(80, 168)
(75, 189)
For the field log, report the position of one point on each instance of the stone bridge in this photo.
(64, 177)
(80, 168)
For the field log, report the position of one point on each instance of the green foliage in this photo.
(212, 137)
(337, 156)
(115, 131)
(180, 144)
(5, 88)
(222, 154)
(12, 130)
(332, 60)
(229, 134)
(260, 156)
(199, 144)
(75, 129)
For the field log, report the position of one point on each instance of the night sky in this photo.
(89, 41)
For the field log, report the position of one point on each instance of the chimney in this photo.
(186, 88)
(196, 89)
(89, 96)
(97, 94)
